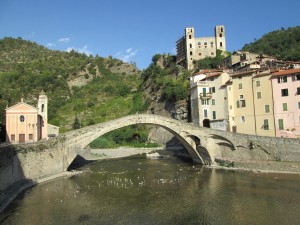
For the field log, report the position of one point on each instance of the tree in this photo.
(76, 124)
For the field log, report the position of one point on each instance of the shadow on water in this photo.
(78, 162)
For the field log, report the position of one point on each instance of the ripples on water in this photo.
(141, 191)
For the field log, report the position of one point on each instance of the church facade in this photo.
(25, 123)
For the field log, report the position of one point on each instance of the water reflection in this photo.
(140, 191)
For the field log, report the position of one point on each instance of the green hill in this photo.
(94, 89)
(283, 44)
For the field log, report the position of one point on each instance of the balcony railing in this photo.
(207, 95)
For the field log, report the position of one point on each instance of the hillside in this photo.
(283, 44)
(94, 89)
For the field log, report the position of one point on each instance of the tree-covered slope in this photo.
(283, 44)
(94, 89)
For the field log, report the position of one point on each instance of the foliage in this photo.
(163, 74)
(134, 136)
(26, 68)
(76, 124)
(283, 44)
(209, 62)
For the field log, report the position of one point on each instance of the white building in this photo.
(209, 99)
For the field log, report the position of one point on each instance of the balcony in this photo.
(205, 96)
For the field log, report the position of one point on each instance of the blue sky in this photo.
(135, 30)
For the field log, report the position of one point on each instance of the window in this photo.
(43, 107)
(221, 44)
(298, 105)
(213, 102)
(212, 90)
(222, 29)
(280, 124)
(267, 108)
(296, 77)
(258, 95)
(205, 43)
(284, 107)
(205, 113)
(284, 92)
(190, 36)
(205, 102)
(220, 35)
(199, 43)
(214, 115)
(282, 79)
(258, 83)
(298, 90)
(241, 103)
(191, 53)
(212, 53)
(243, 119)
(191, 45)
(12, 137)
(240, 86)
(266, 125)
(22, 118)
(30, 137)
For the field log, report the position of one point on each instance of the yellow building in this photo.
(241, 103)
(250, 103)
(263, 104)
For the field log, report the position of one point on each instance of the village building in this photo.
(25, 123)
(190, 49)
(286, 93)
(241, 104)
(209, 99)
(263, 103)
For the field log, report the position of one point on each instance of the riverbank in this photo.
(258, 166)
(121, 152)
(224, 163)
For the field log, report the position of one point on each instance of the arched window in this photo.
(22, 118)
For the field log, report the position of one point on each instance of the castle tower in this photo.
(220, 38)
(42, 106)
(190, 48)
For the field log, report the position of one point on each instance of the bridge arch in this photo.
(76, 140)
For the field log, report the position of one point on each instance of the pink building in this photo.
(25, 123)
(286, 96)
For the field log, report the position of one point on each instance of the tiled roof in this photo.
(249, 72)
(285, 72)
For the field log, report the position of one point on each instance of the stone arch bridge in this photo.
(24, 165)
(201, 143)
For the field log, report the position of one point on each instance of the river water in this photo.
(143, 191)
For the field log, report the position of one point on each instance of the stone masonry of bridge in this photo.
(26, 164)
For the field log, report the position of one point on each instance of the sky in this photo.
(135, 30)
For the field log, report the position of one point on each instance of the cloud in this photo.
(50, 45)
(64, 40)
(84, 50)
(126, 55)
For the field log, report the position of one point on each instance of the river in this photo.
(136, 190)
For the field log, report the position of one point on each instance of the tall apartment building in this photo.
(286, 92)
(190, 48)
(209, 99)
